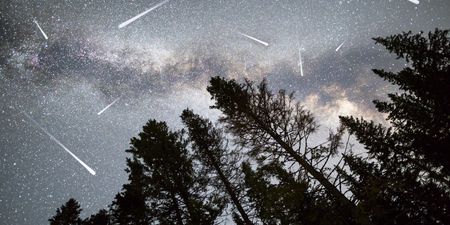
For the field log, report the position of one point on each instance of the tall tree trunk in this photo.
(194, 216)
(230, 191)
(349, 207)
(177, 209)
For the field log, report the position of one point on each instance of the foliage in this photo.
(67, 214)
(405, 178)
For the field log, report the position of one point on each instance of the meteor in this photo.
(43, 33)
(91, 171)
(124, 24)
(300, 63)
(414, 1)
(339, 47)
(255, 39)
(112, 103)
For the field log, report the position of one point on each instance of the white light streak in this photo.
(91, 171)
(414, 1)
(300, 63)
(255, 39)
(339, 47)
(126, 23)
(42, 31)
(112, 103)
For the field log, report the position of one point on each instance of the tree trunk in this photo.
(348, 207)
(230, 191)
(177, 209)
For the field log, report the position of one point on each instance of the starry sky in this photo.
(159, 65)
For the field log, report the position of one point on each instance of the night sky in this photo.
(160, 64)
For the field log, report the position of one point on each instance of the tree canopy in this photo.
(405, 178)
(67, 214)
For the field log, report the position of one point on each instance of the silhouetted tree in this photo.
(170, 188)
(129, 206)
(100, 218)
(280, 197)
(210, 149)
(67, 214)
(276, 127)
(405, 178)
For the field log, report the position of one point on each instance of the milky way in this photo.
(159, 65)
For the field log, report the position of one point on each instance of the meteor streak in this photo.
(300, 63)
(43, 33)
(124, 24)
(339, 47)
(255, 39)
(112, 103)
(91, 171)
(414, 1)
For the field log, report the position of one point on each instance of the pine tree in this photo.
(279, 197)
(276, 127)
(100, 218)
(67, 214)
(129, 206)
(170, 188)
(405, 179)
(208, 144)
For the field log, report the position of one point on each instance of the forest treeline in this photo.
(258, 165)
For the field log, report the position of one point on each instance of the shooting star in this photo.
(414, 1)
(339, 47)
(255, 39)
(300, 63)
(112, 103)
(126, 23)
(91, 171)
(43, 33)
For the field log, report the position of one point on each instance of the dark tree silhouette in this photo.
(101, 218)
(169, 189)
(279, 197)
(405, 178)
(274, 126)
(67, 214)
(129, 206)
(208, 144)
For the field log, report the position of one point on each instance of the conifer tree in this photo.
(169, 187)
(67, 214)
(405, 178)
(208, 144)
(276, 127)
(129, 206)
(279, 197)
(100, 218)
